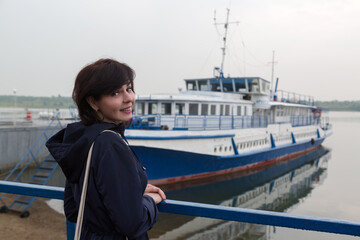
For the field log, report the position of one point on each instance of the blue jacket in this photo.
(115, 206)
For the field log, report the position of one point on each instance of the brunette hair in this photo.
(102, 77)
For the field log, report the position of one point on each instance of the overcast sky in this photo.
(45, 43)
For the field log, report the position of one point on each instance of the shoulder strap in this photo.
(80, 217)
(83, 196)
(117, 134)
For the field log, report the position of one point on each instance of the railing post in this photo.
(70, 230)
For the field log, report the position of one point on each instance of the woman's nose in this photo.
(128, 96)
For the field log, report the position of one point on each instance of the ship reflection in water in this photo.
(275, 188)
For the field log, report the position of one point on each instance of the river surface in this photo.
(323, 183)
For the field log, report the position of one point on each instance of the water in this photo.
(322, 184)
(328, 189)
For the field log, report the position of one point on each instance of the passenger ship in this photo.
(221, 125)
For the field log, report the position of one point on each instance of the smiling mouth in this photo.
(126, 109)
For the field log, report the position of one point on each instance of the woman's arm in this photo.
(70, 208)
(118, 181)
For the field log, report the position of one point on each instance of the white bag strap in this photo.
(84, 190)
(83, 196)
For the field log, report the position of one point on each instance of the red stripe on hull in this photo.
(247, 169)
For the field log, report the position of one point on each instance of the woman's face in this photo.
(117, 107)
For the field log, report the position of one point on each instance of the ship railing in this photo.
(212, 122)
(325, 123)
(292, 97)
(279, 219)
(297, 121)
(198, 122)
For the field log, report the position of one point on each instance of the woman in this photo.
(119, 202)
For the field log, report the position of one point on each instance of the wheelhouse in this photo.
(244, 85)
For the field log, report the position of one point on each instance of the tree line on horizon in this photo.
(36, 102)
(67, 102)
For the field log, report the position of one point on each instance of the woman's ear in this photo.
(93, 103)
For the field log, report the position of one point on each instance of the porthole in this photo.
(230, 148)
(225, 149)
(214, 149)
(220, 149)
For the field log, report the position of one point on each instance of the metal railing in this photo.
(211, 122)
(207, 210)
(292, 97)
(197, 122)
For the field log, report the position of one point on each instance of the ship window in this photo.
(239, 110)
(193, 109)
(213, 109)
(152, 108)
(203, 85)
(140, 108)
(225, 149)
(221, 109)
(215, 85)
(204, 109)
(179, 108)
(227, 109)
(166, 108)
(240, 85)
(265, 87)
(191, 85)
(227, 85)
(254, 85)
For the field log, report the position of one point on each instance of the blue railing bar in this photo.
(261, 217)
(32, 190)
(211, 211)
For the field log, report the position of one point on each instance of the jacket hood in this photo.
(70, 146)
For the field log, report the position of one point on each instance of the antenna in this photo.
(226, 24)
(272, 75)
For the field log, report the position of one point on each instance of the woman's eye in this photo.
(116, 93)
(129, 89)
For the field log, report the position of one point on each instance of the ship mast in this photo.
(272, 76)
(226, 24)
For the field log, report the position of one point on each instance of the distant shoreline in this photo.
(36, 102)
(67, 102)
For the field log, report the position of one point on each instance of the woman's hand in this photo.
(156, 193)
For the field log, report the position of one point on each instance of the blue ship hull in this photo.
(220, 189)
(166, 166)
